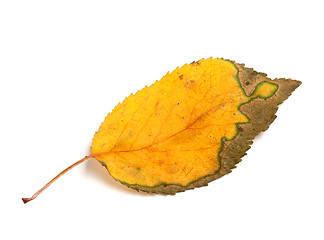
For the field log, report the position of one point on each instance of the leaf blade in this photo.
(169, 136)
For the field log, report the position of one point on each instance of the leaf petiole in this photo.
(26, 200)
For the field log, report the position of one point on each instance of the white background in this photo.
(65, 64)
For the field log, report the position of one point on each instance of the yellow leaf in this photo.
(191, 127)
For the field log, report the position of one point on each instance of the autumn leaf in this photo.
(189, 128)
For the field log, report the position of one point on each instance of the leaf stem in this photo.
(26, 200)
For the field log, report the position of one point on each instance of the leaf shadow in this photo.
(94, 168)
